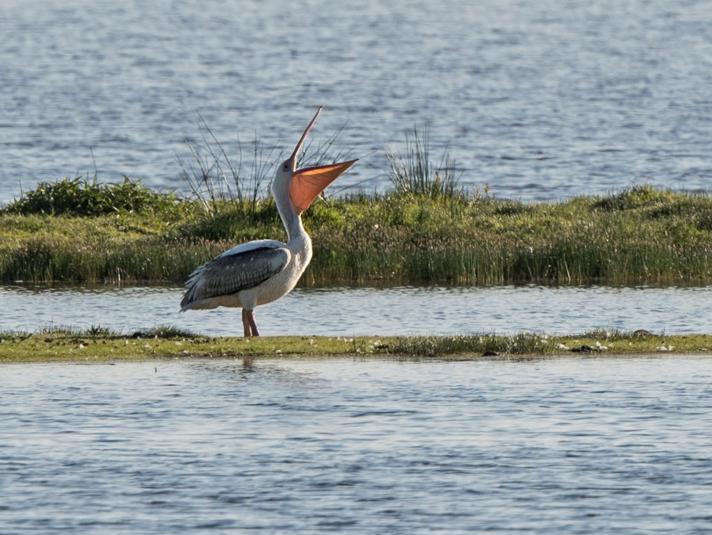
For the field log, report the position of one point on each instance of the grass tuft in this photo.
(642, 196)
(166, 332)
(413, 172)
(216, 177)
(486, 344)
(81, 197)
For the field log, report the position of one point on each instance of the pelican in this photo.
(261, 271)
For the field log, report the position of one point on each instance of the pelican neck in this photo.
(295, 229)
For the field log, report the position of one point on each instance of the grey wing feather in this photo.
(229, 274)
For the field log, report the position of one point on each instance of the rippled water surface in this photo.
(538, 99)
(564, 446)
(370, 311)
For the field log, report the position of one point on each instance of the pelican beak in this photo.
(298, 147)
(308, 183)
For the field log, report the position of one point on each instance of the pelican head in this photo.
(305, 185)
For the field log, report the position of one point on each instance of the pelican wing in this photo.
(235, 270)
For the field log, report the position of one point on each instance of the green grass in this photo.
(639, 236)
(97, 344)
(79, 196)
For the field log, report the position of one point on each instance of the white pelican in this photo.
(260, 271)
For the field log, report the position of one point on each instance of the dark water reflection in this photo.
(364, 311)
(576, 446)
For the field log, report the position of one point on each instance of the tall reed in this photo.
(414, 171)
(214, 176)
(240, 181)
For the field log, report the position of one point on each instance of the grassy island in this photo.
(77, 231)
(101, 345)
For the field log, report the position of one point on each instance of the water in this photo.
(537, 98)
(564, 446)
(369, 311)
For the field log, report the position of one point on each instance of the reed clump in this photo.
(413, 171)
(638, 236)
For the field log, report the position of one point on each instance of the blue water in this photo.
(537, 99)
(371, 311)
(339, 446)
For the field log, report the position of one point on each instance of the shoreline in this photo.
(76, 346)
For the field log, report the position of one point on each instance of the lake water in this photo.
(346, 446)
(540, 99)
(371, 311)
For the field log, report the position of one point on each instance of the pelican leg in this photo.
(248, 323)
(253, 325)
(247, 328)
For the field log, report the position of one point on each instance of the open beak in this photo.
(308, 183)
